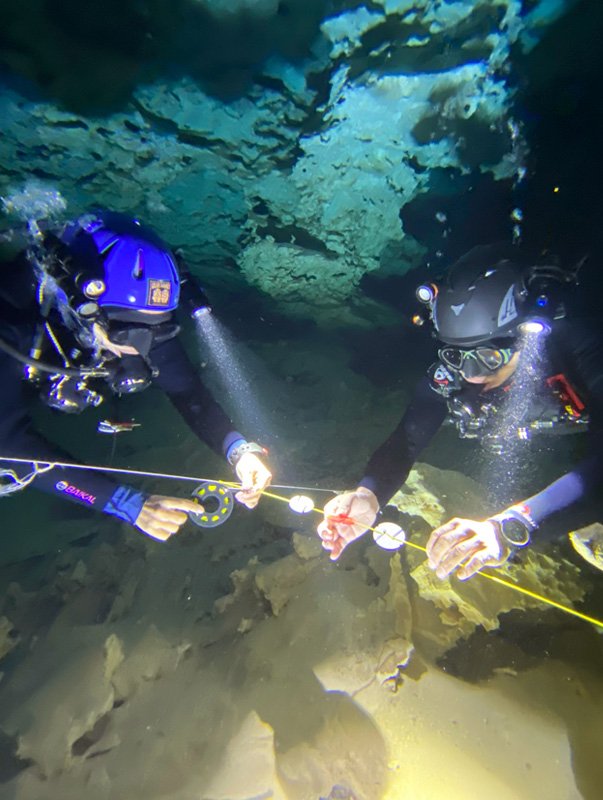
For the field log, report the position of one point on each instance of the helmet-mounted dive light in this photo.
(419, 319)
(544, 284)
(201, 311)
(544, 294)
(94, 288)
(88, 311)
(195, 300)
(535, 325)
(427, 293)
(192, 296)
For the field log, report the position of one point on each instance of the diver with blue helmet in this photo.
(483, 314)
(91, 312)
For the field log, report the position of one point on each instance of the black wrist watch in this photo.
(515, 532)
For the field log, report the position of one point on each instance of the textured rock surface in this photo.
(588, 542)
(248, 768)
(82, 678)
(300, 177)
(9, 637)
(316, 679)
(307, 679)
(462, 606)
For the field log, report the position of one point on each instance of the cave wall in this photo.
(276, 144)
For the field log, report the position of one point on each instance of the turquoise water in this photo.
(312, 162)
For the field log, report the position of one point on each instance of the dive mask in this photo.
(476, 362)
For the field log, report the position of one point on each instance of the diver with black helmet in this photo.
(90, 312)
(491, 318)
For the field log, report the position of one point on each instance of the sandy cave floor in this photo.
(239, 663)
(155, 675)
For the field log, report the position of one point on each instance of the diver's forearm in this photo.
(563, 492)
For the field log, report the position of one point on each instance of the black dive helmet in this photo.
(479, 303)
(487, 298)
(486, 301)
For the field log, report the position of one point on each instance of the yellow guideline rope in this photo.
(44, 466)
(495, 578)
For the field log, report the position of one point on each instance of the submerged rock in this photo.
(464, 605)
(588, 543)
(248, 767)
(298, 174)
(48, 729)
(9, 637)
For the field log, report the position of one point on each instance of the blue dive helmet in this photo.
(134, 268)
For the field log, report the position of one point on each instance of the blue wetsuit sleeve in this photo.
(125, 503)
(577, 350)
(192, 399)
(560, 494)
(18, 439)
(565, 491)
(390, 464)
(89, 489)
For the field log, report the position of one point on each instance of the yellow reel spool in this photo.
(217, 505)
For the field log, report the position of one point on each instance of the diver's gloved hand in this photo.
(254, 477)
(347, 517)
(466, 546)
(162, 517)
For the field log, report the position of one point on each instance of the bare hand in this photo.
(347, 517)
(254, 477)
(162, 517)
(103, 341)
(466, 546)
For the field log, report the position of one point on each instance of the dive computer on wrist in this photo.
(513, 531)
(245, 447)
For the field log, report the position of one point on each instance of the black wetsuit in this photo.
(573, 348)
(177, 377)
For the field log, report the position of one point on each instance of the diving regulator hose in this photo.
(70, 372)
